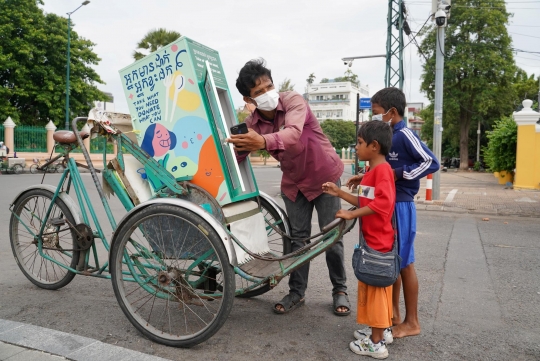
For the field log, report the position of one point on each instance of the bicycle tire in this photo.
(17, 169)
(31, 208)
(173, 253)
(34, 168)
(276, 243)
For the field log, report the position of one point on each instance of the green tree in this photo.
(241, 115)
(33, 66)
(525, 87)
(154, 40)
(311, 78)
(479, 68)
(341, 133)
(349, 76)
(286, 85)
(325, 80)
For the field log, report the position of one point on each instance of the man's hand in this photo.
(354, 181)
(247, 142)
(330, 188)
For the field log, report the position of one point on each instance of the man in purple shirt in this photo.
(284, 125)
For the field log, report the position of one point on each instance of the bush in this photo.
(500, 153)
(341, 133)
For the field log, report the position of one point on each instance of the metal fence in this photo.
(30, 139)
(96, 146)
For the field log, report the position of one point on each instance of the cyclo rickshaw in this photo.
(179, 256)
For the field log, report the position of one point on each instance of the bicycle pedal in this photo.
(57, 221)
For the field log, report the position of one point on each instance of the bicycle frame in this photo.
(71, 177)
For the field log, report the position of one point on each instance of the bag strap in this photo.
(395, 248)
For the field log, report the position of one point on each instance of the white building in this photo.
(105, 105)
(412, 115)
(336, 100)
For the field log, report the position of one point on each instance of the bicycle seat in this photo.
(67, 136)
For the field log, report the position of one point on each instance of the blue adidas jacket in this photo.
(411, 160)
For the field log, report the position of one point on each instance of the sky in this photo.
(295, 37)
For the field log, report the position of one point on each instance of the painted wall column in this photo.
(9, 135)
(50, 127)
(528, 148)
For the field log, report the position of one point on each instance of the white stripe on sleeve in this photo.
(418, 147)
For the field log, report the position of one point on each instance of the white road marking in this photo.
(450, 196)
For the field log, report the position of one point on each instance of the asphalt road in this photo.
(479, 296)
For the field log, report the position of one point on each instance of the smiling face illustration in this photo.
(209, 175)
(192, 132)
(162, 140)
(158, 140)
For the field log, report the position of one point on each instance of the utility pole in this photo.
(68, 60)
(478, 143)
(393, 76)
(440, 21)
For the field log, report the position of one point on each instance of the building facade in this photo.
(336, 100)
(414, 122)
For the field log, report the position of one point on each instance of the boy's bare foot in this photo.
(405, 329)
(396, 321)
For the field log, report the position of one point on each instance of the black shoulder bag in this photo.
(375, 268)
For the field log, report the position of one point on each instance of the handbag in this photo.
(375, 268)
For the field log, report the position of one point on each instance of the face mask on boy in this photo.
(267, 101)
(379, 117)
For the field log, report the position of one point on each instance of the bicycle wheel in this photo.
(277, 244)
(165, 264)
(17, 169)
(59, 168)
(28, 216)
(33, 168)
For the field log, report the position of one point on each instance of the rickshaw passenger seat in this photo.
(68, 137)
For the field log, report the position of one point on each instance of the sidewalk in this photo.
(480, 193)
(25, 342)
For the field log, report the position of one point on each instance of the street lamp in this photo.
(67, 66)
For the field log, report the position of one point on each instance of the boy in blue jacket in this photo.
(410, 160)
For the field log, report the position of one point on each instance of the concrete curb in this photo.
(72, 347)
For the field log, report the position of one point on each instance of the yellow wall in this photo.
(528, 158)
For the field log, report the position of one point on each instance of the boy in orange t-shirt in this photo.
(375, 202)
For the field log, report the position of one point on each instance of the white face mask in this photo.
(267, 101)
(379, 117)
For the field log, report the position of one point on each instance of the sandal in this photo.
(289, 303)
(341, 300)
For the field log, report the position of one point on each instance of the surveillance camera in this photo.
(345, 63)
(440, 17)
(350, 64)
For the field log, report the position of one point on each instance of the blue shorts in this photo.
(406, 230)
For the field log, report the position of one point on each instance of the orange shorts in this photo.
(374, 306)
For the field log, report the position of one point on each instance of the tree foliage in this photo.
(154, 40)
(341, 133)
(286, 85)
(500, 153)
(311, 78)
(349, 76)
(33, 66)
(479, 70)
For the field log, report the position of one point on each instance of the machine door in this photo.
(239, 175)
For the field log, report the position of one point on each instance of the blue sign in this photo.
(365, 103)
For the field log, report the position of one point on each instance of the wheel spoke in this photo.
(173, 265)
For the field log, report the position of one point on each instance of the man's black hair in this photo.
(389, 98)
(247, 78)
(379, 131)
